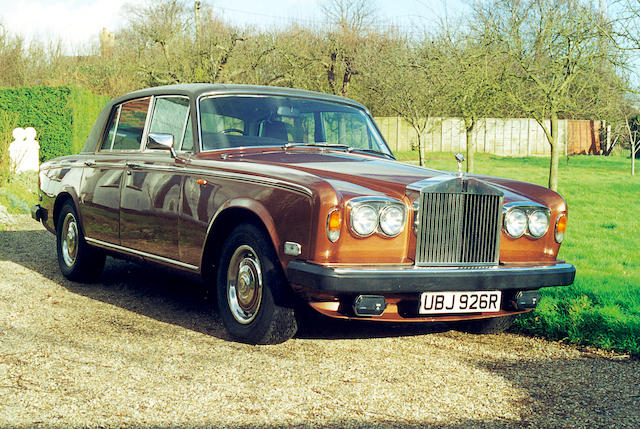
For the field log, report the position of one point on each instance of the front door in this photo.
(151, 192)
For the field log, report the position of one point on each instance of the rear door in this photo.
(103, 173)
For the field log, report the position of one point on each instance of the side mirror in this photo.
(161, 141)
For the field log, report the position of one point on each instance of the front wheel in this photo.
(252, 290)
(492, 325)
(77, 260)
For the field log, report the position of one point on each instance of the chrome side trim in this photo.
(241, 177)
(99, 164)
(140, 253)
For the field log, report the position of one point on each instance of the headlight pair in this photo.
(530, 220)
(383, 215)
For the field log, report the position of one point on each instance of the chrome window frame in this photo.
(113, 137)
(144, 129)
(152, 106)
(216, 94)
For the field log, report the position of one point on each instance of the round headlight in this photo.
(392, 220)
(364, 220)
(515, 223)
(538, 223)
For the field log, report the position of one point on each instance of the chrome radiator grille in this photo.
(458, 229)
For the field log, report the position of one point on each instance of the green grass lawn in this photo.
(602, 307)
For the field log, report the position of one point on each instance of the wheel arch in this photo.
(229, 216)
(63, 197)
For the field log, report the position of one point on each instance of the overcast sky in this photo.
(77, 22)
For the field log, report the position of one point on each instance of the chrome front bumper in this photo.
(416, 280)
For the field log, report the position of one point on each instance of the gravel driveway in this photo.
(141, 349)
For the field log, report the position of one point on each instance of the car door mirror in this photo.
(161, 141)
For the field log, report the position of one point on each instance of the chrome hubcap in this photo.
(69, 240)
(244, 284)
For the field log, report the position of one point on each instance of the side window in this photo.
(169, 117)
(187, 142)
(107, 140)
(133, 115)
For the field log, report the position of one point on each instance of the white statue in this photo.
(24, 151)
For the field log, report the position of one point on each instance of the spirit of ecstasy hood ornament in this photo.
(460, 158)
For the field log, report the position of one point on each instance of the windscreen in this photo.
(240, 121)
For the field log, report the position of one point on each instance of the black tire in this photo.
(493, 325)
(78, 261)
(253, 298)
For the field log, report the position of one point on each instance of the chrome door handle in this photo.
(133, 165)
(89, 163)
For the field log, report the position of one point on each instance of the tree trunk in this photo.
(633, 157)
(420, 149)
(469, 123)
(554, 142)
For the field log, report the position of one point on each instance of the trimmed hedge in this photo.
(7, 124)
(63, 116)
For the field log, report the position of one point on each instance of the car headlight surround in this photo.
(376, 215)
(531, 219)
(515, 222)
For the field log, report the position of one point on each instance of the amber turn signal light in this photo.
(333, 225)
(561, 227)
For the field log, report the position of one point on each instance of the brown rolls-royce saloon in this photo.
(281, 198)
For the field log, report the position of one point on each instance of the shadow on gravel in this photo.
(586, 392)
(156, 292)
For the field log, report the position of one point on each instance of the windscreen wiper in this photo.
(339, 146)
(375, 152)
(319, 144)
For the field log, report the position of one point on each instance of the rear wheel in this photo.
(77, 260)
(252, 290)
(493, 325)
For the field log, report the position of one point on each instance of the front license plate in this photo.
(460, 302)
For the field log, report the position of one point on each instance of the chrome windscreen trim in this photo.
(141, 253)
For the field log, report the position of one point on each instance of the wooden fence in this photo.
(504, 137)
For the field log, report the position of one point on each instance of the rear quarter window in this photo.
(126, 126)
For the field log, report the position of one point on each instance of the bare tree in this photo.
(472, 76)
(349, 25)
(552, 43)
(411, 86)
